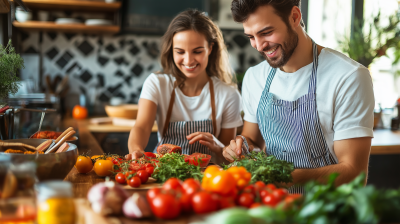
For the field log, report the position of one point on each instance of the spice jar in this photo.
(55, 203)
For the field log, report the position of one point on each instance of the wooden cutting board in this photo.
(151, 183)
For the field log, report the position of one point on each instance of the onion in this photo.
(136, 206)
(107, 198)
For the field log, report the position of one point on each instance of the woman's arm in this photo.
(140, 133)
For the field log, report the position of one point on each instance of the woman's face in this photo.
(191, 51)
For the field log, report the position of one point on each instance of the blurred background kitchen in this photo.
(97, 54)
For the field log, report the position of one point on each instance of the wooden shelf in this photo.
(67, 28)
(73, 5)
(4, 6)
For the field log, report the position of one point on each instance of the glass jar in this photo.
(55, 203)
(18, 201)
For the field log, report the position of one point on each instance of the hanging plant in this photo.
(10, 63)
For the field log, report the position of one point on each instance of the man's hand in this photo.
(234, 150)
(134, 155)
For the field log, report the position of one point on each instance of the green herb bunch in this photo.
(10, 63)
(174, 165)
(349, 203)
(267, 169)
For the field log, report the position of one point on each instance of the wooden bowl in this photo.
(127, 111)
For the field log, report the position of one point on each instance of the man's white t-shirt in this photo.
(158, 88)
(344, 95)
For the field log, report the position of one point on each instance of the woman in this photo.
(194, 101)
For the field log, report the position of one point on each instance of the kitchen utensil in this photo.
(62, 85)
(40, 124)
(17, 144)
(44, 146)
(60, 137)
(53, 166)
(58, 144)
(49, 84)
(64, 147)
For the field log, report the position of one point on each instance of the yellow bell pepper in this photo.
(241, 175)
(218, 181)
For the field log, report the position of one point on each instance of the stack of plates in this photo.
(98, 22)
(67, 21)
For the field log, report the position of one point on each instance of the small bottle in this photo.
(55, 203)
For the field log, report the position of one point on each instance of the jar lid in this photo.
(53, 189)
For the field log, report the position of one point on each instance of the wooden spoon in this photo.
(17, 144)
(60, 142)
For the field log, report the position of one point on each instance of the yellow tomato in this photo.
(56, 210)
(84, 164)
(103, 167)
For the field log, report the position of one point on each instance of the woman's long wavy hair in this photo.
(218, 62)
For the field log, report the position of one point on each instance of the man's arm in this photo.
(253, 137)
(353, 156)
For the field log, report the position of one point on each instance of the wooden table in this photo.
(385, 142)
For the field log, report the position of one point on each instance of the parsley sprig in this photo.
(174, 165)
(267, 169)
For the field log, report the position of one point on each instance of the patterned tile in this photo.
(86, 76)
(64, 59)
(31, 50)
(240, 40)
(75, 65)
(85, 47)
(110, 48)
(102, 60)
(119, 73)
(114, 89)
(52, 53)
(52, 36)
(69, 36)
(134, 50)
(104, 97)
(100, 79)
(137, 69)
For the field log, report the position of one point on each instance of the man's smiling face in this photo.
(271, 36)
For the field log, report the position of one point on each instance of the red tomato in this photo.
(136, 167)
(191, 186)
(290, 198)
(143, 175)
(245, 200)
(264, 193)
(134, 182)
(150, 170)
(149, 165)
(249, 189)
(270, 200)
(152, 193)
(165, 206)
(226, 202)
(204, 202)
(280, 193)
(259, 185)
(120, 178)
(172, 184)
(270, 186)
(186, 202)
(150, 154)
(233, 193)
(255, 205)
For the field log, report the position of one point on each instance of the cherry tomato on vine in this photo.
(245, 200)
(143, 175)
(134, 182)
(120, 178)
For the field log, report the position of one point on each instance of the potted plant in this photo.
(10, 63)
(372, 40)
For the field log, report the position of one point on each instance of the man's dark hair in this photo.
(241, 9)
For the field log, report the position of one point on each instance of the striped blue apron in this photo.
(176, 132)
(291, 129)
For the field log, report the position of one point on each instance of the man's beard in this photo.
(288, 48)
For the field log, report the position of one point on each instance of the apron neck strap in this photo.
(171, 105)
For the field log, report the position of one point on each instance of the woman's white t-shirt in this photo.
(344, 94)
(158, 88)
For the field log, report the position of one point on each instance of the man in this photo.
(306, 104)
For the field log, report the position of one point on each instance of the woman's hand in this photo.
(234, 150)
(206, 139)
(134, 155)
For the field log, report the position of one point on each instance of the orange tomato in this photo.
(103, 167)
(83, 164)
(79, 112)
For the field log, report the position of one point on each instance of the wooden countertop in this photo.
(385, 142)
(109, 127)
